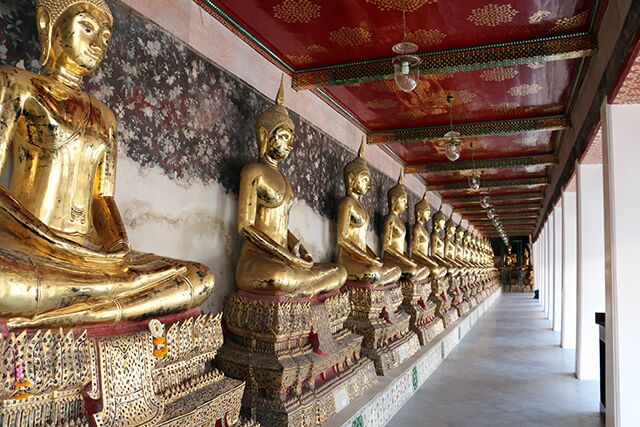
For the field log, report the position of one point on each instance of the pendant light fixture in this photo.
(474, 179)
(452, 147)
(406, 66)
(484, 202)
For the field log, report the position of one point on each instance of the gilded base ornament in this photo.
(440, 297)
(376, 315)
(300, 364)
(424, 320)
(134, 376)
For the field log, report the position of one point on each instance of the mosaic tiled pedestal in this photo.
(376, 315)
(424, 320)
(300, 363)
(383, 401)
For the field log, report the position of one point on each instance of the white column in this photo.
(590, 268)
(545, 273)
(569, 272)
(557, 267)
(543, 266)
(621, 128)
(550, 269)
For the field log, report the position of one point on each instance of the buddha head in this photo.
(451, 230)
(423, 210)
(397, 196)
(467, 239)
(460, 233)
(357, 177)
(74, 34)
(274, 130)
(438, 222)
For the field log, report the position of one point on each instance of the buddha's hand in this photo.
(120, 248)
(377, 262)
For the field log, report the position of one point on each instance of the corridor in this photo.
(508, 371)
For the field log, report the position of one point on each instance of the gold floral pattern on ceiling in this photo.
(529, 140)
(317, 48)
(409, 5)
(350, 36)
(381, 104)
(525, 89)
(296, 11)
(504, 106)
(412, 115)
(426, 38)
(629, 92)
(492, 15)
(437, 77)
(536, 65)
(498, 74)
(301, 59)
(571, 23)
(539, 16)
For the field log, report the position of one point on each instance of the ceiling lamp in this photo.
(474, 182)
(484, 202)
(491, 213)
(453, 146)
(406, 66)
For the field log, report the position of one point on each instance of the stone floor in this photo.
(508, 371)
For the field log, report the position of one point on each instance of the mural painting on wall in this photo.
(181, 113)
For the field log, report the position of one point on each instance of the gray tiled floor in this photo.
(508, 371)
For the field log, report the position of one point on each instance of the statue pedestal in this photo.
(116, 376)
(439, 296)
(424, 321)
(300, 363)
(376, 316)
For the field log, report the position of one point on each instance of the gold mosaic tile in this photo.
(296, 11)
(492, 15)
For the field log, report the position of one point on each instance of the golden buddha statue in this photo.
(438, 242)
(272, 259)
(64, 254)
(450, 249)
(360, 260)
(460, 250)
(420, 239)
(394, 235)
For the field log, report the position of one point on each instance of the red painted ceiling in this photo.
(304, 34)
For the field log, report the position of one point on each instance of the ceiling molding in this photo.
(462, 165)
(493, 127)
(509, 183)
(531, 51)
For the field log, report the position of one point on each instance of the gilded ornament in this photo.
(301, 60)
(524, 89)
(571, 23)
(408, 5)
(297, 11)
(350, 36)
(492, 15)
(317, 48)
(426, 38)
(504, 106)
(498, 74)
(629, 92)
(539, 16)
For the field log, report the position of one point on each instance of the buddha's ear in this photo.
(263, 137)
(43, 22)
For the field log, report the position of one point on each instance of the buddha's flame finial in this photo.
(361, 149)
(280, 95)
(401, 177)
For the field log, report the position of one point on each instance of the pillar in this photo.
(550, 225)
(557, 267)
(590, 268)
(569, 272)
(621, 151)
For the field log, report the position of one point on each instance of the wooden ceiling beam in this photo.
(521, 52)
(509, 183)
(462, 165)
(497, 198)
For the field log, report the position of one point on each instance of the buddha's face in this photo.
(80, 38)
(438, 225)
(361, 184)
(280, 143)
(401, 203)
(422, 215)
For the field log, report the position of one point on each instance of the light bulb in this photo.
(495, 222)
(484, 202)
(491, 213)
(406, 67)
(474, 182)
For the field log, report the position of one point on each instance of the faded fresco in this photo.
(181, 113)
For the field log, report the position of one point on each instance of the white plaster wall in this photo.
(621, 128)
